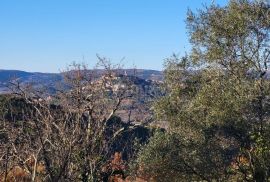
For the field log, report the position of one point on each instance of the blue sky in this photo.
(47, 35)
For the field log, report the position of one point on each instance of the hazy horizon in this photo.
(125, 68)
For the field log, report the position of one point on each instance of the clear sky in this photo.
(47, 35)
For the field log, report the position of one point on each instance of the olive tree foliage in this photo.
(235, 40)
(217, 101)
(190, 149)
(69, 128)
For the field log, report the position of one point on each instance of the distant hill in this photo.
(50, 80)
(153, 75)
(6, 75)
(35, 78)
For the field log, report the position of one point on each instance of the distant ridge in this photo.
(6, 75)
(51, 79)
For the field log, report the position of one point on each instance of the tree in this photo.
(217, 98)
(235, 40)
(68, 132)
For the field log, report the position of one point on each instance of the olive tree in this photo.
(217, 100)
